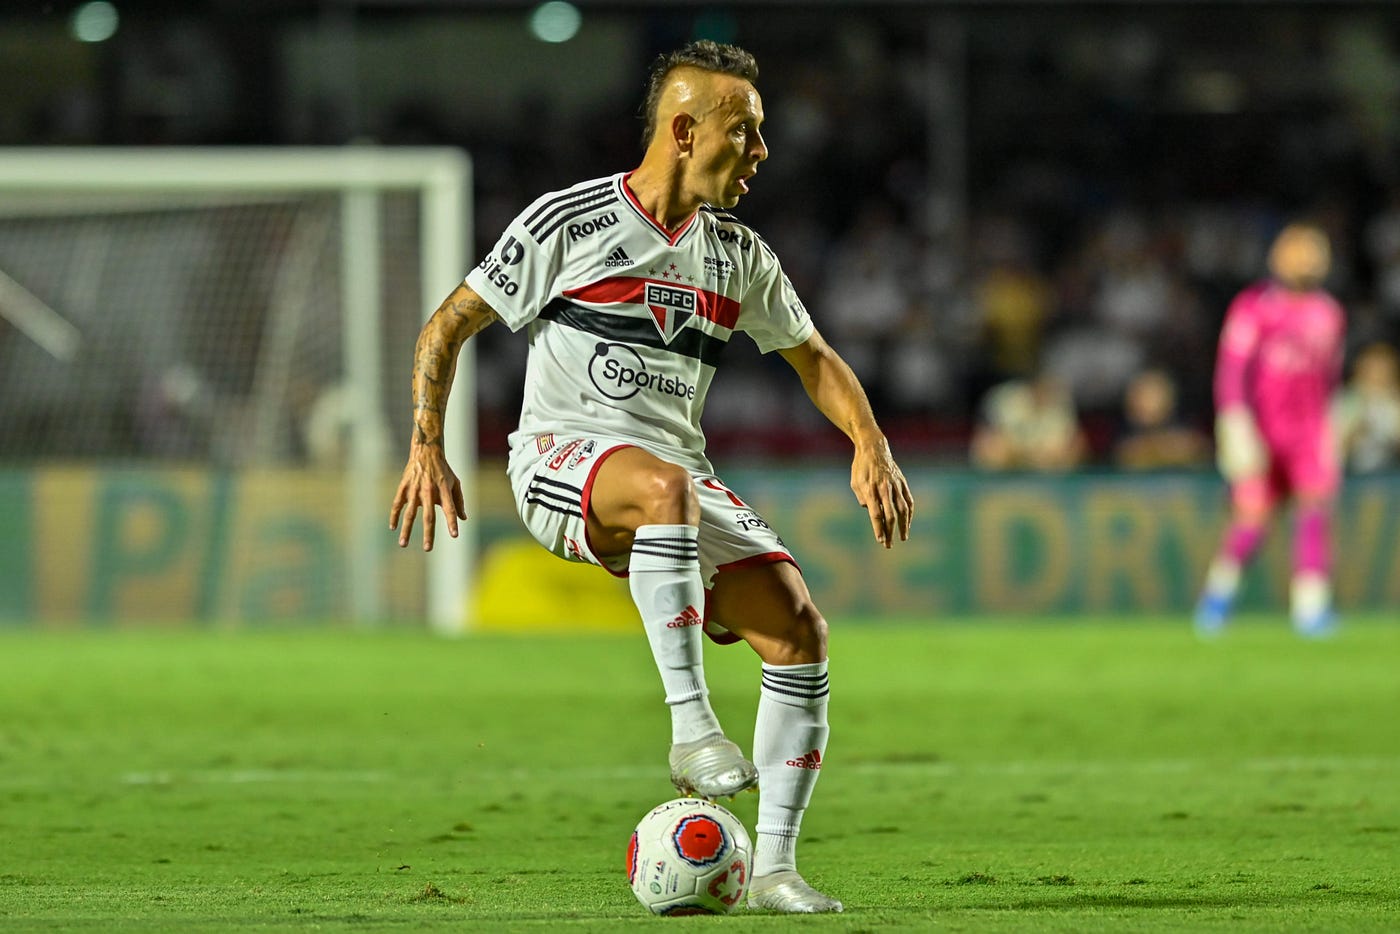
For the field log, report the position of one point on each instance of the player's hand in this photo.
(427, 482)
(880, 487)
(1240, 451)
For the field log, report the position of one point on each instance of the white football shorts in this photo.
(552, 482)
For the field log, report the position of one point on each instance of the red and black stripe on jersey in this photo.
(689, 342)
(631, 290)
(710, 305)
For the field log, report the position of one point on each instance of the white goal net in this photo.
(243, 312)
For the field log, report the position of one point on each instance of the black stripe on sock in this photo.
(805, 695)
(692, 556)
(688, 544)
(794, 675)
(779, 682)
(792, 682)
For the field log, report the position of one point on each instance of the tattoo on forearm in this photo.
(435, 360)
(424, 439)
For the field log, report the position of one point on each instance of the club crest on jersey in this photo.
(671, 307)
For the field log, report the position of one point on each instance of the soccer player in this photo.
(629, 287)
(1277, 368)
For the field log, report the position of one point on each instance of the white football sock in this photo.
(788, 745)
(1310, 595)
(1223, 578)
(664, 577)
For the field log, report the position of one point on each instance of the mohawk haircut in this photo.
(705, 54)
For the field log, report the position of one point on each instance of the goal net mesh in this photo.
(191, 329)
(204, 366)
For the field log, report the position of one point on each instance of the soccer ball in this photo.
(689, 857)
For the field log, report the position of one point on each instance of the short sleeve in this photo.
(518, 277)
(774, 315)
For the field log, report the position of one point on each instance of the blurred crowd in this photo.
(1022, 229)
(1069, 315)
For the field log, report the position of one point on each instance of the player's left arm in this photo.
(876, 480)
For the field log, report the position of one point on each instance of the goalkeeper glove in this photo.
(1239, 450)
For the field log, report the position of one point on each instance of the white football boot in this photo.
(711, 767)
(788, 892)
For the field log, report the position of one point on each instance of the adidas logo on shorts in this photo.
(618, 257)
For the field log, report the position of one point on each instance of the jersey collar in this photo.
(671, 237)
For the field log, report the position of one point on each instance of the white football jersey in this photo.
(627, 320)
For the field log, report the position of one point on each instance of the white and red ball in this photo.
(688, 857)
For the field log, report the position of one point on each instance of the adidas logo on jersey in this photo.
(811, 760)
(618, 257)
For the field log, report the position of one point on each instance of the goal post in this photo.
(78, 184)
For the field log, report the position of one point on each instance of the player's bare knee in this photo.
(666, 496)
(802, 641)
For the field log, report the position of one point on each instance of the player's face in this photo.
(728, 145)
(1300, 258)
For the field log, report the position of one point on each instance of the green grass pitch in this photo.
(1052, 776)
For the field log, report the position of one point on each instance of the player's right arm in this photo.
(428, 480)
(1240, 451)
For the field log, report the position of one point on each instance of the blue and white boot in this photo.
(1212, 613)
(1320, 625)
(1311, 599)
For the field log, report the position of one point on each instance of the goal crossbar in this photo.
(300, 168)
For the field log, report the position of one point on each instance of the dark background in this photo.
(963, 193)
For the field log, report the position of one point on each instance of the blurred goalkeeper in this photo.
(629, 287)
(1279, 363)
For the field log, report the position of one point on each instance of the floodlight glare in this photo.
(94, 22)
(555, 21)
